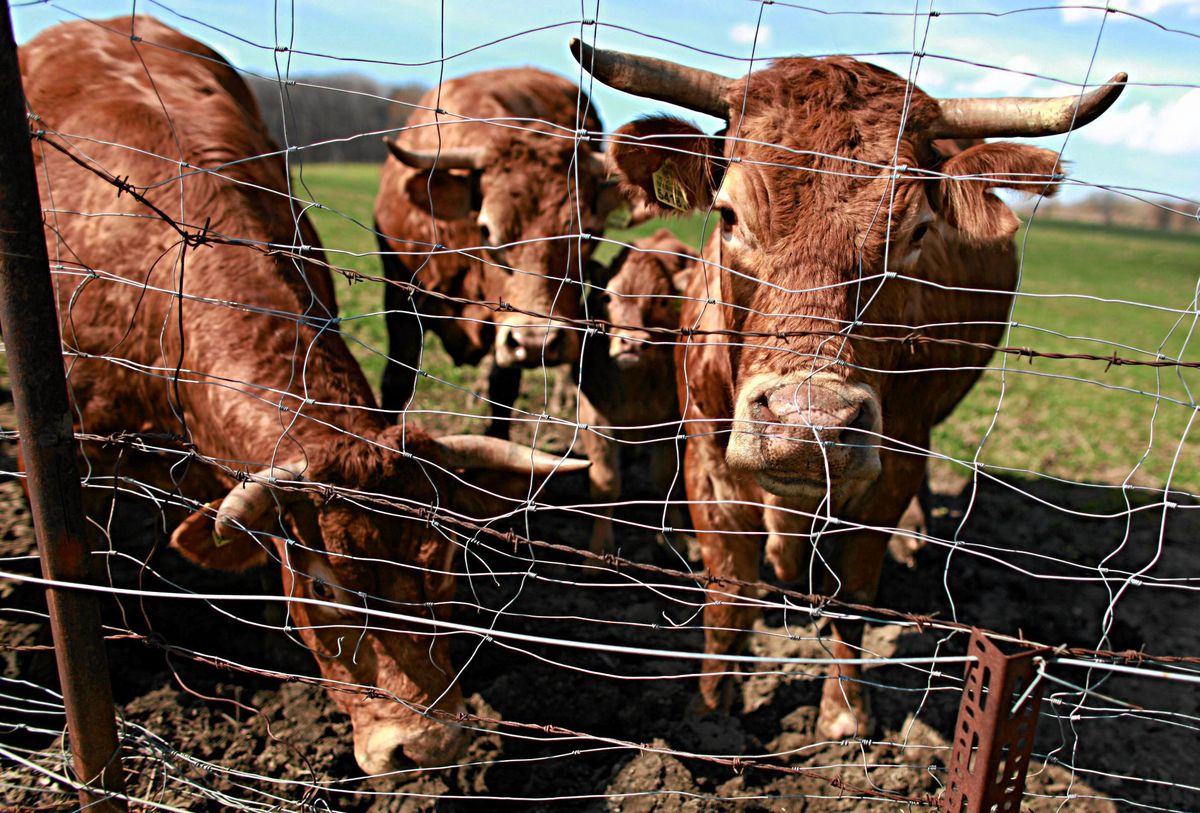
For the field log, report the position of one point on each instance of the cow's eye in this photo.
(321, 590)
(728, 218)
(918, 233)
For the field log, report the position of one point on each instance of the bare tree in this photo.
(335, 117)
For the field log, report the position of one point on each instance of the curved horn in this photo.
(445, 158)
(247, 503)
(1023, 116)
(483, 452)
(669, 82)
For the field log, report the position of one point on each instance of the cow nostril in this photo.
(862, 420)
(487, 234)
(760, 410)
(851, 433)
(401, 761)
(512, 340)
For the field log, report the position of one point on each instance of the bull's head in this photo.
(531, 195)
(845, 211)
(346, 557)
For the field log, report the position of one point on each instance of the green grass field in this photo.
(1065, 418)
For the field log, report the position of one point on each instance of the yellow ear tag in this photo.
(668, 189)
(220, 541)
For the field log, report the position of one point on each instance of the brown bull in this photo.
(236, 347)
(845, 217)
(625, 382)
(502, 192)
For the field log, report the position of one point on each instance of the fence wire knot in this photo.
(197, 239)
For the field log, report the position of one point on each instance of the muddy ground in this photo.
(199, 737)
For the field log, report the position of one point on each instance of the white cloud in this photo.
(1011, 81)
(1072, 13)
(744, 34)
(1170, 130)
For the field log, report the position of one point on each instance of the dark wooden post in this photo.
(34, 348)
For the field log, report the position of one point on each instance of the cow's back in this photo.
(157, 113)
(546, 102)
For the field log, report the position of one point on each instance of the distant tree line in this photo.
(346, 110)
(1112, 209)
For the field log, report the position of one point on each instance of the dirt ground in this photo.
(589, 730)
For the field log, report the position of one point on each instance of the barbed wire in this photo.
(527, 593)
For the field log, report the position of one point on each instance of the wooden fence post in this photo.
(29, 320)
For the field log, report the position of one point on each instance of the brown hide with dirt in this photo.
(154, 345)
(625, 377)
(506, 221)
(818, 438)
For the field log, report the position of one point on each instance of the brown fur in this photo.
(621, 376)
(137, 110)
(813, 216)
(534, 184)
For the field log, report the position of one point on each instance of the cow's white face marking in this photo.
(488, 229)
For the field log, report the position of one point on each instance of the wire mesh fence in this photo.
(329, 584)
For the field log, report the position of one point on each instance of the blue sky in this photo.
(1150, 140)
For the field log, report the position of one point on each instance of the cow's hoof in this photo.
(844, 716)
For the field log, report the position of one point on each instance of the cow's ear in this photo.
(197, 541)
(448, 195)
(681, 281)
(964, 196)
(667, 165)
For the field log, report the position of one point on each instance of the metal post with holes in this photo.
(34, 350)
(993, 738)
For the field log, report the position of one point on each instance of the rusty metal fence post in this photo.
(993, 738)
(34, 350)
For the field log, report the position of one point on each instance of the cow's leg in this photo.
(503, 385)
(604, 475)
(856, 561)
(404, 337)
(727, 617)
(913, 526)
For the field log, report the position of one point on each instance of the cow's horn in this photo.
(445, 158)
(669, 82)
(247, 503)
(483, 452)
(1017, 116)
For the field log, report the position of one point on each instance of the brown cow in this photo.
(621, 382)
(236, 347)
(504, 190)
(840, 222)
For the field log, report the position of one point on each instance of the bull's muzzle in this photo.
(383, 745)
(806, 434)
(627, 349)
(524, 345)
